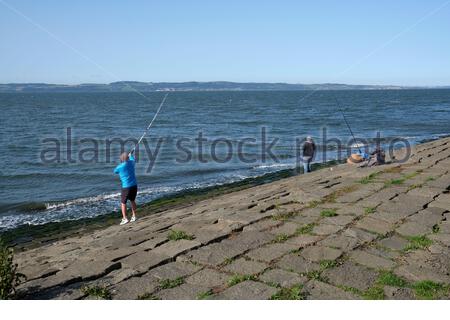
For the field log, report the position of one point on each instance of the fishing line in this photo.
(348, 126)
(85, 177)
(150, 124)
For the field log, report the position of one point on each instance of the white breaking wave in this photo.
(57, 205)
(90, 207)
(358, 145)
(111, 196)
(274, 165)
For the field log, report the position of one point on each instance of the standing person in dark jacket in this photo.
(309, 150)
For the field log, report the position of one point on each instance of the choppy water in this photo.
(34, 192)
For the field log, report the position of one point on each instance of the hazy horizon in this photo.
(227, 81)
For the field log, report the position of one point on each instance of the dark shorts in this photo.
(128, 194)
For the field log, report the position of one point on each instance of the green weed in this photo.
(97, 292)
(171, 283)
(237, 278)
(9, 277)
(148, 296)
(374, 293)
(429, 290)
(280, 238)
(327, 264)
(293, 293)
(328, 213)
(369, 210)
(369, 178)
(388, 278)
(418, 242)
(307, 228)
(176, 235)
(204, 295)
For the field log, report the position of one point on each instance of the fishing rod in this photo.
(345, 119)
(150, 124)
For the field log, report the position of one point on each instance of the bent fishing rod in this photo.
(150, 124)
(348, 125)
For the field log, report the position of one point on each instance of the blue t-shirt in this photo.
(126, 173)
(364, 155)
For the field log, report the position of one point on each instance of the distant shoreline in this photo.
(193, 86)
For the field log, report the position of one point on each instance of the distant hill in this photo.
(124, 86)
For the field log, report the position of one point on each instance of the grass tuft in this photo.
(171, 283)
(148, 296)
(204, 295)
(306, 229)
(97, 291)
(388, 278)
(328, 213)
(280, 238)
(238, 278)
(374, 293)
(228, 261)
(293, 293)
(283, 216)
(332, 197)
(369, 178)
(350, 289)
(418, 242)
(176, 235)
(410, 175)
(316, 275)
(327, 264)
(429, 290)
(394, 182)
(369, 210)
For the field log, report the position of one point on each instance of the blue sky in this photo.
(359, 42)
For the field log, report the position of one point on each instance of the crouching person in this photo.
(378, 157)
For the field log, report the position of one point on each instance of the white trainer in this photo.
(124, 221)
(133, 219)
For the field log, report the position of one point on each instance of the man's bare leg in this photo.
(133, 208)
(124, 210)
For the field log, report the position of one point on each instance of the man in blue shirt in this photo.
(126, 172)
